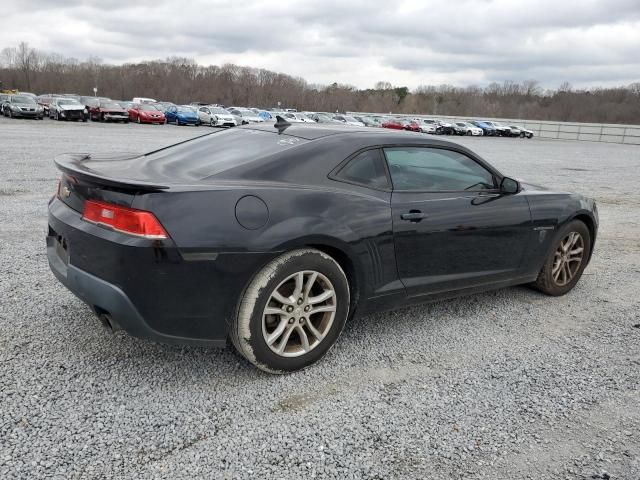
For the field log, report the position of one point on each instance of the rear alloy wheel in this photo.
(292, 312)
(564, 266)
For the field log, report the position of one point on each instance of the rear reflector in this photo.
(123, 219)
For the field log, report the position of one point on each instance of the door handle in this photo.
(413, 216)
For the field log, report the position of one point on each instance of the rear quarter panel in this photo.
(354, 220)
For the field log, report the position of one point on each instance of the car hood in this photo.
(150, 114)
(531, 187)
(187, 114)
(24, 105)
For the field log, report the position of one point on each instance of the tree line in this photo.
(183, 80)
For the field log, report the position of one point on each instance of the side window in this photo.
(366, 168)
(436, 170)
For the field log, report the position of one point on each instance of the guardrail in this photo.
(593, 132)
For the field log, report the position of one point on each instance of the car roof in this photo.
(314, 131)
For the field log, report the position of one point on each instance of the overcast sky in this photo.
(585, 42)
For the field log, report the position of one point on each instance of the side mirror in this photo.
(509, 185)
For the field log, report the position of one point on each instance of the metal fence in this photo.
(593, 132)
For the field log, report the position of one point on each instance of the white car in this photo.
(216, 116)
(470, 129)
(62, 108)
(524, 132)
(426, 125)
(297, 118)
(349, 120)
(247, 115)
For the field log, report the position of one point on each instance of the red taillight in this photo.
(125, 220)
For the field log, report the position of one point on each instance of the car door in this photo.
(171, 114)
(452, 226)
(204, 115)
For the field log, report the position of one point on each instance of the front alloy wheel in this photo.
(567, 260)
(292, 312)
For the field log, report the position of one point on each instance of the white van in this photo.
(144, 100)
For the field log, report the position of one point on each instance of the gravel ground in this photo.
(509, 384)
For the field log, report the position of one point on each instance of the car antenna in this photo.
(281, 124)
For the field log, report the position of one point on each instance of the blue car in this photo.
(266, 116)
(486, 128)
(182, 115)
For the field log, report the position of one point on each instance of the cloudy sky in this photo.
(585, 42)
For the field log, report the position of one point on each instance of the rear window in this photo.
(215, 153)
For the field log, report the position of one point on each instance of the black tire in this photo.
(545, 281)
(246, 332)
(530, 135)
(468, 132)
(57, 116)
(10, 114)
(522, 134)
(211, 123)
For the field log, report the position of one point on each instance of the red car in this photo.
(108, 111)
(394, 123)
(145, 113)
(411, 125)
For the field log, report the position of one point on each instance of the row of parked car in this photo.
(148, 110)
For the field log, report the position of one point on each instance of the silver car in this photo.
(216, 116)
(62, 108)
(23, 106)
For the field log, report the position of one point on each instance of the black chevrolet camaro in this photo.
(274, 237)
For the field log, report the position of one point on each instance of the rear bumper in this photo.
(144, 286)
(103, 297)
(149, 288)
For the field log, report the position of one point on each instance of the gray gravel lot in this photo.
(510, 384)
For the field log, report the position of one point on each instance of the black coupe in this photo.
(274, 237)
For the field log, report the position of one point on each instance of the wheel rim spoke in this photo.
(310, 282)
(304, 339)
(314, 331)
(299, 285)
(285, 338)
(323, 297)
(282, 299)
(274, 311)
(277, 332)
(327, 308)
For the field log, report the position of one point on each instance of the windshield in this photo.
(68, 102)
(185, 109)
(109, 105)
(247, 113)
(219, 110)
(148, 108)
(22, 99)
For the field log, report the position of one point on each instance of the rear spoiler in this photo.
(75, 165)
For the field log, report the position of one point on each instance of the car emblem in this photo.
(66, 193)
